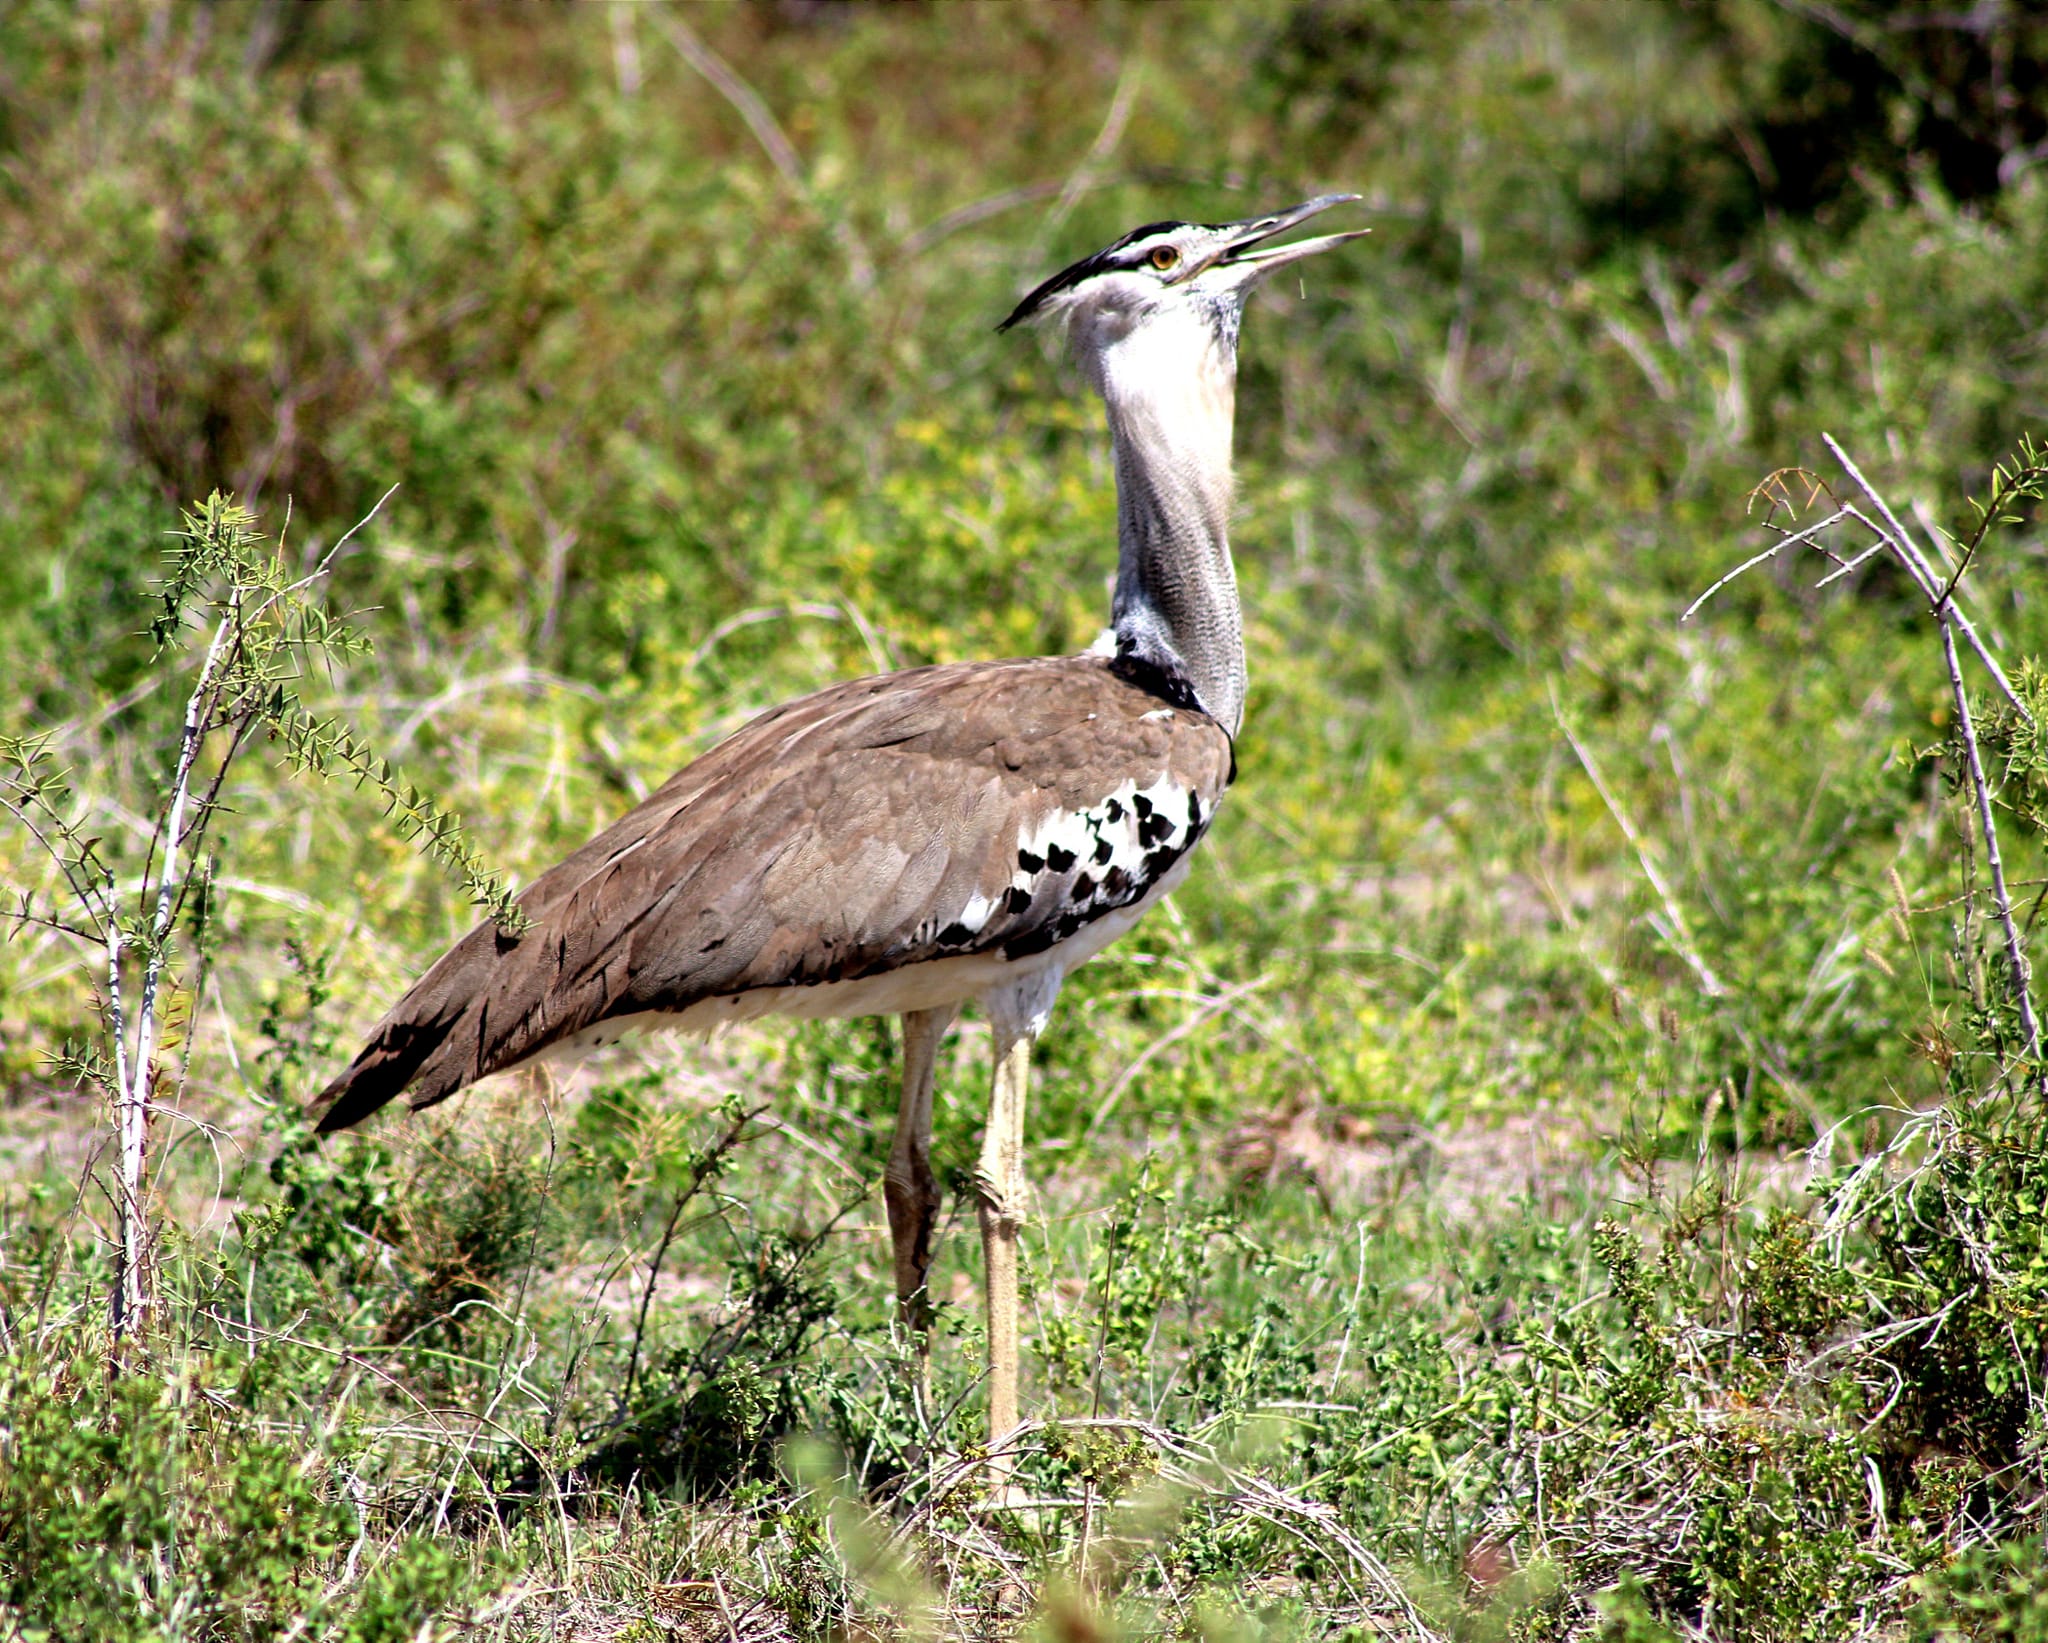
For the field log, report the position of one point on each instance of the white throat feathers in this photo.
(1168, 380)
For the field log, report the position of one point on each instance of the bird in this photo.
(919, 840)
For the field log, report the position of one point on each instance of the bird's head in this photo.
(1173, 277)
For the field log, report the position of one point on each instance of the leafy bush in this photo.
(1989, 1592)
(138, 1508)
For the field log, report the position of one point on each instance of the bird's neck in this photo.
(1171, 394)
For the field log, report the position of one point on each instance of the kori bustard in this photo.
(906, 843)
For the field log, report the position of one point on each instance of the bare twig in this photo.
(76, 874)
(1855, 561)
(1771, 552)
(2001, 898)
(1114, 123)
(1939, 599)
(327, 559)
(746, 101)
(138, 1076)
(707, 1164)
(1680, 933)
(1941, 594)
(877, 651)
(782, 154)
(1210, 1007)
(975, 211)
(118, 1030)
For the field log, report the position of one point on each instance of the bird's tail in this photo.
(433, 1042)
(380, 1072)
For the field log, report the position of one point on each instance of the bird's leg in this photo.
(910, 1189)
(1001, 1184)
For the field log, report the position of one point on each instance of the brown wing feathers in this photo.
(875, 824)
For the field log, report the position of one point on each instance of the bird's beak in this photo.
(1247, 255)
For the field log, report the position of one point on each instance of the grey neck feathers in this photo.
(1172, 401)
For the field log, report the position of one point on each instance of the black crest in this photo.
(1067, 278)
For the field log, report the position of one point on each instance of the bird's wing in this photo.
(879, 824)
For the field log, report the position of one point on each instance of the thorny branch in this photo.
(2027, 478)
(265, 630)
(1941, 600)
(132, 1099)
(2001, 898)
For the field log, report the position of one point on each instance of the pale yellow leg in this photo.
(1001, 1184)
(911, 1190)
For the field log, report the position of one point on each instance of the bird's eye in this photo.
(1163, 258)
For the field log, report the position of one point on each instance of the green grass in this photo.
(1423, 1245)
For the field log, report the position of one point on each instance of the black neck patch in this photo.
(1168, 684)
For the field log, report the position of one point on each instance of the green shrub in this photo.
(1990, 1592)
(138, 1508)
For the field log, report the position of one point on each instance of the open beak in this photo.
(1247, 249)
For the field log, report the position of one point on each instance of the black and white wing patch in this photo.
(1071, 867)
